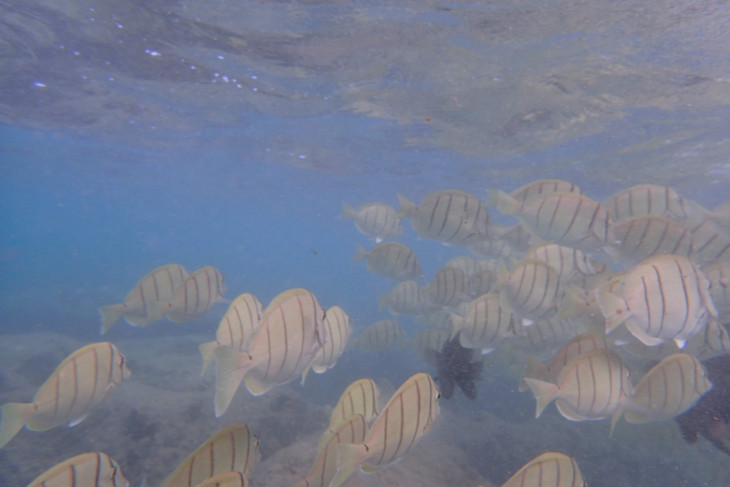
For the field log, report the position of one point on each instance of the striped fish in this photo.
(289, 335)
(408, 415)
(227, 479)
(483, 282)
(407, 297)
(235, 330)
(141, 305)
(353, 430)
(519, 238)
(196, 295)
(532, 290)
(541, 187)
(551, 469)
(591, 386)
(429, 340)
(377, 220)
(234, 448)
(645, 236)
(449, 216)
(362, 397)
(449, 287)
(664, 298)
(93, 469)
(721, 216)
(485, 325)
(381, 335)
(719, 276)
(567, 219)
(713, 341)
(583, 343)
(546, 335)
(78, 384)
(392, 260)
(670, 388)
(337, 324)
(650, 199)
(710, 245)
(567, 261)
(491, 247)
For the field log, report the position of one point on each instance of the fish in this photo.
(532, 290)
(483, 282)
(392, 260)
(710, 244)
(381, 336)
(583, 343)
(227, 479)
(405, 419)
(545, 335)
(456, 366)
(92, 469)
(289, 335)
(337, 325)
(140, 306)
(353, 430)
(567, 261)
(665, 297)
(377, 220)
(361, 397)
(567, 219)
(430, 339)
(710, 416)
(235, 330)
(407, 297)
(235, 448)
(78, 384)
(668, 389)
(485, 325)
(645, 236)
(537, 189)
(550, 469)
(591, 386)
(719, 276)
(197, 295)
(650, 200)
(449, 287)
(449, 216)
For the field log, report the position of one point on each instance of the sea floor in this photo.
(164, 411)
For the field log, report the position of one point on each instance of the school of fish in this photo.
(590, 285)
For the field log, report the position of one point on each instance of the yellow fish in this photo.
(408, 415)
(390, 259)
(228, 479)
(377, 220)
(196, 295)
(236, 328)
(361, 397)
(289, 335)
(551, 469)
(232, 449)
(94, 469)
(78, 384)
(141, 305)
(337, 324)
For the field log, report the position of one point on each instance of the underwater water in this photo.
(134, 135)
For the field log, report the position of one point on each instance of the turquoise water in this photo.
(230, 133)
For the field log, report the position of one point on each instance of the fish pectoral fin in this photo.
(640, 335)
(257, 388)
(368, 469)
(76, 421)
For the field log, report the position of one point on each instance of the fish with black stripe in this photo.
(92, 469)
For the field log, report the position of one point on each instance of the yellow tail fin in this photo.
(110, 315)
(230, 370)
(349, 457)
(14, 416)
(207, 350)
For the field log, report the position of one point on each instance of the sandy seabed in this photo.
(164, 411)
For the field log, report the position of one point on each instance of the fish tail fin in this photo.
(305, 373)
(505, 203)
(614, 308)
(614, 420)
(534, 369)
(207, 350)
(231, 367)
(360, 254)
(14, 416)
(457, 324)
(348, 211)
(349, 457)
(407, 208)
(545, 393)
(109, 315)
